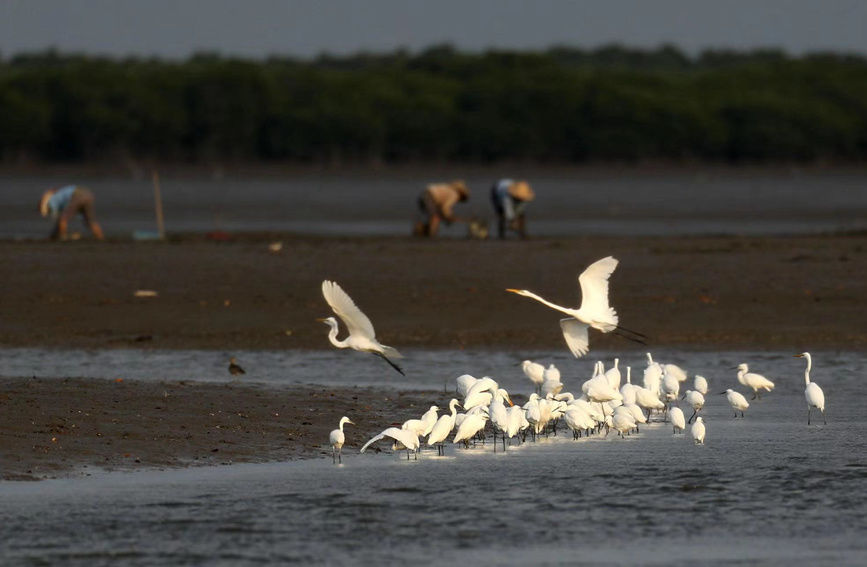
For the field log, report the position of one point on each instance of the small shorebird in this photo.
(234, 368)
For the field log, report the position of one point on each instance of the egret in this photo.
(623, 421)
(443, 427)
(697, 431)
(700, 384)
(403, 439)
(652, 375)
(594, 311)
(737, 401)
(613, 375)
(813, 393)
(678, 421)
(694, 399)
(468, 428)
(628, 390)
(675, 371)
(670, 387)
(361, 334)
(535, 372)
(421, 427)
(464, 383)
(751, 380)
(337, 439)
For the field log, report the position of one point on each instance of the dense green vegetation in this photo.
(561, 105)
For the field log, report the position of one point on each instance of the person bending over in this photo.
(63, 204)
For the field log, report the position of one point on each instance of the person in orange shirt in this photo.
(436, 203)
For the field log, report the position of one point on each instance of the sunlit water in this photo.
(766, 489)
(610, 202)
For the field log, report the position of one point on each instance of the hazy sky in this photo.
(254, 28)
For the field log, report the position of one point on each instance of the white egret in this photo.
(670, 387)
(647, 399)
(361, 334)
(613, 375)
(694, 399)
(652, 375)
(535, 372)
(752, 380)
(498, 415)
(737, 401)
(594, 311)
(813, 393)
(403, 439)
(697, 431)
(337, 439)
(623, 421)
(578, 420)
(472, 424)
(464, 383)
(627, 390)
(516, 421)
(443, 427)
(551, 383)
(700, 384)
(422, 427)
(678, 420)
(676, 371)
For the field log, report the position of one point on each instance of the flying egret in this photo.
(814, 394)
(678, 421)
(697, 431)
(751, 380)
(403, 439)
(337, 439)
(737, 401)
(535, 372)
(443, 427)
(700, 384)
(594, 311)
(694, 399)
(361, 337)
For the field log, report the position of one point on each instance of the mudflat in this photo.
(796, 293)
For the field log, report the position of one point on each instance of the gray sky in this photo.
(304, 28)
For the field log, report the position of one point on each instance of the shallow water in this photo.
(766, 489)
(608, 202)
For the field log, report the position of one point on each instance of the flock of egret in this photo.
(603, 404)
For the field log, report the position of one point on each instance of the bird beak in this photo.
(321, 319)
(797, 356)
(734, 368)
(513, 290)
(723, 393)
(350, 421)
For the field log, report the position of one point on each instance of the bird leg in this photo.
(694, 412)
(809, 409)
(333, 459)
(823, 417)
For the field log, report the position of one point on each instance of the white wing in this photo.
(575, 333)
(408, 438)
(594, 289)
(356, 321)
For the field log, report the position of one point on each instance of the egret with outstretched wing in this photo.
(594, 311)
(361, 334)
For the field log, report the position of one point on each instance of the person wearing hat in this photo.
(64, 203)
(436, 203)
(510, 200)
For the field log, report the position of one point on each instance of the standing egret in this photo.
(814, 394)
(700, 384)
(468, 428)
(594, 311)
(464, 383)
(652, 375)
(697, 431)
(613, 375)
(737, 401)
(535, 372)
(337, 439)
(443, 427)
(361, 334)
(694, 399)
(678, 421)
(752, 380)
(403, 439)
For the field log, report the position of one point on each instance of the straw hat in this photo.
(43, 202)
(461, 187)
(521, 190)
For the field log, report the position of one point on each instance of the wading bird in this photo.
(403, 439)
(337, 439)
(678, 421)
(752, 380)
(234, 368)
(442, 428)
(697, 431)
(594, 311)
(361, 334)
(813, 393)
(694, 399)
(736, 400)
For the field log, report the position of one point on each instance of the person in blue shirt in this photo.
(63, 204)
(510, 200)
